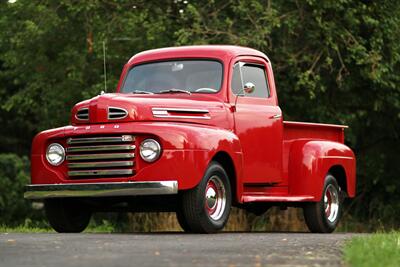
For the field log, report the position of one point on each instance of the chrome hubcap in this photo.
(331, 203)
(215, 198)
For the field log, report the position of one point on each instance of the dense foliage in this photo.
(13, 177)
(335, 62)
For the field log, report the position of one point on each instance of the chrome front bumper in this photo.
(43, 191)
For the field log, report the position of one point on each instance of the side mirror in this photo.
(249, 88)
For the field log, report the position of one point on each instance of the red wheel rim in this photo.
(331, 203)
(215, 198)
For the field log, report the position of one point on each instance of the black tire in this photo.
(67, 215)
(318, 217)
(196, 216)
(180, 217)
(182, 221)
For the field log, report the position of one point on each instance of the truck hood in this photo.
(119, 108)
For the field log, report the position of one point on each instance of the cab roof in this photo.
(222, 52)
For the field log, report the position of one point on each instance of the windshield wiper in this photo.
(173, 90)
(141, 92)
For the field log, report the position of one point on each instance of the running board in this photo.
(277, 198)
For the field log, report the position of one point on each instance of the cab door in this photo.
(258, 121)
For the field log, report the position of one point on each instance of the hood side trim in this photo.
(181, 113)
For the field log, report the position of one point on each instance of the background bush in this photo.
(334, 62)
(14, 175)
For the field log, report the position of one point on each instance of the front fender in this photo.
(206, 141)
(310, 161)
(187, 149)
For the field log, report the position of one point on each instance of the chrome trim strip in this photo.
(163, 113)
(189, 110)
(336, 157)
(101, 156)
(100, 172)
(103, 164)
(262, 198)
(100, 148)
(183, 117)
(43, 191)
(313, 124)
(80, 110)
(110, 139)
(276, 116)
(121, 111)
(160, 112)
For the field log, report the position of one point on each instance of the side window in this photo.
(236, 84)
(256, 74)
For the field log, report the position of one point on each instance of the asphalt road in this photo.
(171, 249)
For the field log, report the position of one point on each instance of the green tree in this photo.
(334, 62)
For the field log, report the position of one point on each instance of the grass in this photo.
(24, 229)
(106, 228)
(290, 220)
(380, 249)
(103, 226)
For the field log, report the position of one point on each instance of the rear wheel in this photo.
(67, 215)
(206, 208)
(323, 216)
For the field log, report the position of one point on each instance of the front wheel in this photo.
(206, 208)
(67, 215)
(323, 216)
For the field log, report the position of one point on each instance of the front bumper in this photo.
(43, 191)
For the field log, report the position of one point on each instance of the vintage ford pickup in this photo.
(194, 130)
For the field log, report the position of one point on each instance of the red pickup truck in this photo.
(194, 130)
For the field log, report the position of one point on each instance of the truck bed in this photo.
(286, 189)
(293, 130)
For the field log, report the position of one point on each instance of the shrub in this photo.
(14, 175)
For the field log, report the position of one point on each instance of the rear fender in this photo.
(310, 161)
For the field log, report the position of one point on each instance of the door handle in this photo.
(276, 116)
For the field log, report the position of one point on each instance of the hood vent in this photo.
(83, 114)
(116, 113)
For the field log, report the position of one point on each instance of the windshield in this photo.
(182, 76)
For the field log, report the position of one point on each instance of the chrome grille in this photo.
(108, 156)
(83, 114)
(117, 113)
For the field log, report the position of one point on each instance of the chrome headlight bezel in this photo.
(58, 150)
(150, 150)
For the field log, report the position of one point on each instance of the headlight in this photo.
(150, 150)
(55, 154)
